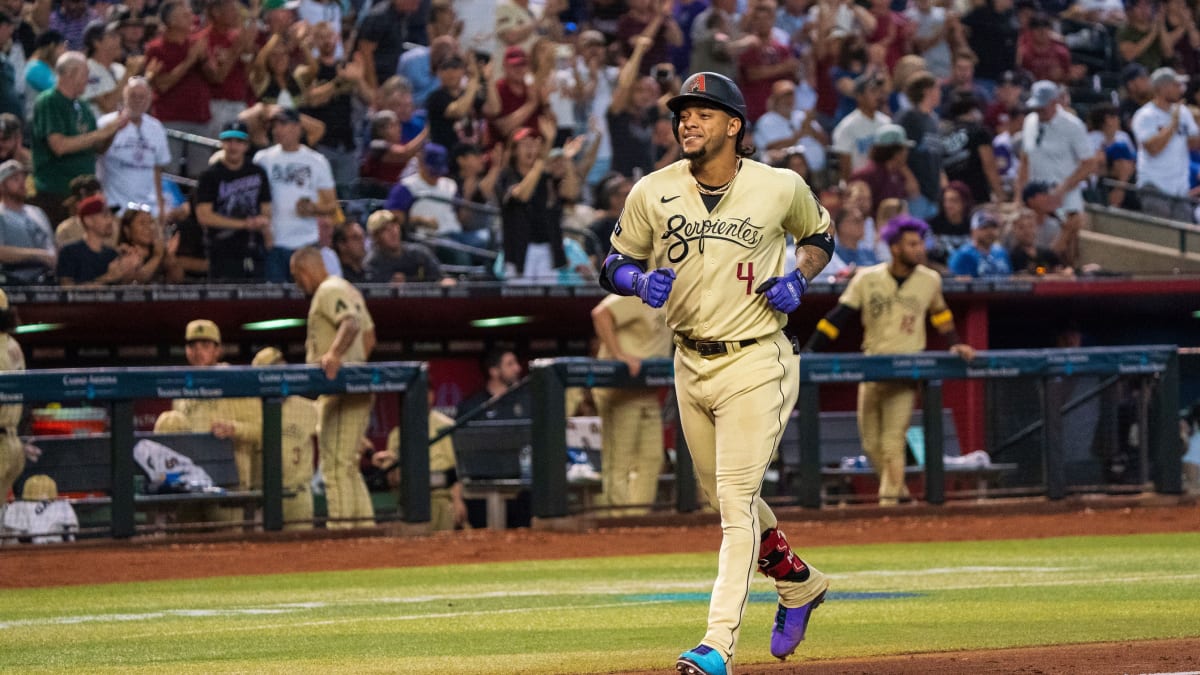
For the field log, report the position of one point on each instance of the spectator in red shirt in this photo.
(1041, 54)
(645, 17)
(512, 103)
(230, 42)
(891, 32)
(760, 67)
(183, 93)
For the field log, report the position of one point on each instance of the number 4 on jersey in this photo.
(745, 272)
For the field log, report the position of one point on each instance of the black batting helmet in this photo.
(709, 89)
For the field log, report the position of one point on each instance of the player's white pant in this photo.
(343, 421)
(631, 437)
(734, 409)
(884, 413)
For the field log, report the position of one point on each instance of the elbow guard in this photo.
(619, 273)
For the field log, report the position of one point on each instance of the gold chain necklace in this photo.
(705, 190)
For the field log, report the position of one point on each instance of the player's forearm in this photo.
(810, 260)
(347, 330)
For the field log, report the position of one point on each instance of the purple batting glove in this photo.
(783, 293)
(653, 287)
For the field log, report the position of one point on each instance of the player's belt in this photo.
(713, 348)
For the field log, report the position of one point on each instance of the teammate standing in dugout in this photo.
(892, 299)
(705, 237)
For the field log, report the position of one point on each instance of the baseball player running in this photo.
(340, 330)
(705, 238)
(892, 300)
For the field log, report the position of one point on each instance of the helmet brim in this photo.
(676, 104)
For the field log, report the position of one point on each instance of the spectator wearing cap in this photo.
(332, 85)
(1026, 255)
(1051, 233)
(967, 153)
(65, 137)
(182, 91)
(1009, 94)
(1055, 150)
(1041, 53)
(1166, 131)
(106, 75)
(91, 261)
(131, 169)
(456, 102)
(511, 103)
(11, 71)
(71, 19)
(921, 125)
(231, 43)
(39, 69)
(1135, 91)
(887, 172)
(10, 140)
(783, 127)
(760, 67)
(434, 194)
(531, 207)
(349, 242)
(1141, 38)
(70, 229)
(983, 256)
(991, 32)
(233, 204)
(383, 35)
(854, 135)
(302, 190)
(27, 251)
(394, 260)
(632, 115)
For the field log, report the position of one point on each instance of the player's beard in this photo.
(695, 154)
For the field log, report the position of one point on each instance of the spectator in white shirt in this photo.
(1165, 131)
(434, 194)
(854, 135)
(1055, 149)
(302, 190)
(782, 127)
(131, 169)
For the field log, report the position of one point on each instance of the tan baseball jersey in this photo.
(441, 454)
(335, 301)
(299, 428)
(11, 358)
(641, 330)
(719, 257)
(893, 315)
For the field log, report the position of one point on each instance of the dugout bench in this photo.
(839, 439)
(81, 466)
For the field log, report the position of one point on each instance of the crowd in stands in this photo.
(436, 140)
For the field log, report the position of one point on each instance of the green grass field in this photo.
(606, 614)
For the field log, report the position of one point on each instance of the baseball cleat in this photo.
(703, 660)
(790, 626)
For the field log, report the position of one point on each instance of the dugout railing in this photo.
(118, 388)
(1156, 365)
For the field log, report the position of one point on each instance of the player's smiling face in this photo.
(704, 131)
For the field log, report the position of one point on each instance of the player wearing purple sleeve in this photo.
(705, 238)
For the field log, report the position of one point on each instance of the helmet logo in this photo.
(698, 84)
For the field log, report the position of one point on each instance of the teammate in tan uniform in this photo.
(447, 508)
(298, 442)
(631, 431)
(237, 418)
(705, 237)
(893, 300)
(340, 330)
(13, 451)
